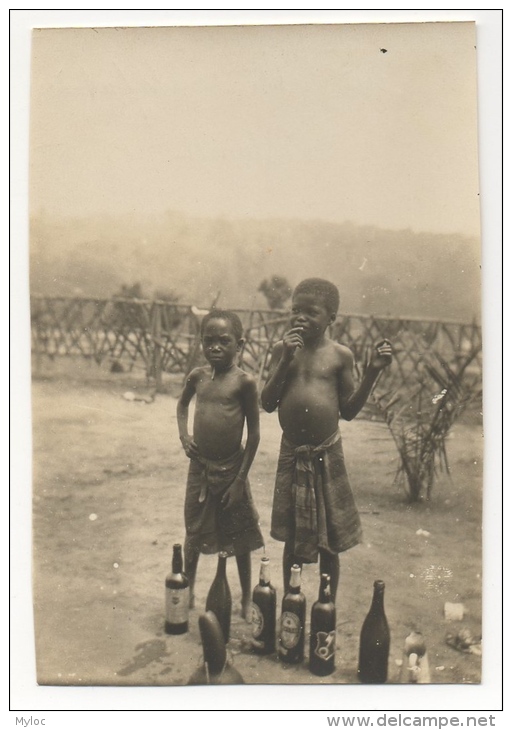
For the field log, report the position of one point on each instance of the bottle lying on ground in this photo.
(219, 597)
(215, 668)
(322, 642)
(374, 641)
(176, 595)
(263, 612)
(292, 622)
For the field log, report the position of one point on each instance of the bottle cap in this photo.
(295, 576)
(265, 570)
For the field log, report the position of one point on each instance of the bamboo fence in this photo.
(163, 337)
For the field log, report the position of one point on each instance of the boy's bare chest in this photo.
(307, 368)
(218, 392)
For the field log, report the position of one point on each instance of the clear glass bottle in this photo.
(263, 612)
(415, 666)
(322, 642)
(374, 641)
(293, 621)
(176, 595)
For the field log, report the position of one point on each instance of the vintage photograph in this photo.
(256, 342)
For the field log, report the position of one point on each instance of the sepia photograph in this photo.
(255, 290)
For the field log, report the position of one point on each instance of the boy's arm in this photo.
(351, 400)
(281, 358)
(250, 406)
(186, 396)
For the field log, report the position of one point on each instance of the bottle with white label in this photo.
(322, 645)
(263, 613)
(292, 622)
(176, 595)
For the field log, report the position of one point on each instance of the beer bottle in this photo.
(176, 595)
(292, 622)
(219, 597)
(263, 613)
(374, 641)
(322, 642)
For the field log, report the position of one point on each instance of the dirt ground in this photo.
(109, 478)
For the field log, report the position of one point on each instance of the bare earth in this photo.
(109, 479)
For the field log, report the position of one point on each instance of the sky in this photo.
(372, 123)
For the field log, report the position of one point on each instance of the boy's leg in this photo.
(289, 559)
(330, 563)
(243, 562)
(191, 560)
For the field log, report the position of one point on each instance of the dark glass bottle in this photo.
(322, 642)
(219, 597)
(374, 641)
(263, 613)
(216, 669)
(292, 622)
(176, 595)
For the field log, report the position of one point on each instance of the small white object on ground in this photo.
(453, 611)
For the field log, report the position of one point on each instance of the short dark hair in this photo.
(320, 288)
(231, 317)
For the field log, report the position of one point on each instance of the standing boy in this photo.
(219, 511)
(311, 382)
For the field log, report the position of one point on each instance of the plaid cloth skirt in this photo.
(313, 505)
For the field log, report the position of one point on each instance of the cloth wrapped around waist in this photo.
(217, 476)
(219, 527)
(313, 506)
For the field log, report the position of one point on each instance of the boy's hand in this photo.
(189, 447)
(234, 493)
(382, 355)
(292, 341)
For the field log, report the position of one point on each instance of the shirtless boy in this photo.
(219, 511)
(311, 383)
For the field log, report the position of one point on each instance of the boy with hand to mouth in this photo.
(311, 383)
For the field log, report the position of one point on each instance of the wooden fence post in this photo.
(156, 336)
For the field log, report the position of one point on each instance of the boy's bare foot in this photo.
(245, 610)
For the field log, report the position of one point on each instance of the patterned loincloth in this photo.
(313, 503)
(210, 526)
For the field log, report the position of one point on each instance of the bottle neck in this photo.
(324, 595)
(295, 580)
(177, 560)
(378, 597)
(265, 572)
(221, 565)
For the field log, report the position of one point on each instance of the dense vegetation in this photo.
(397, 273)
